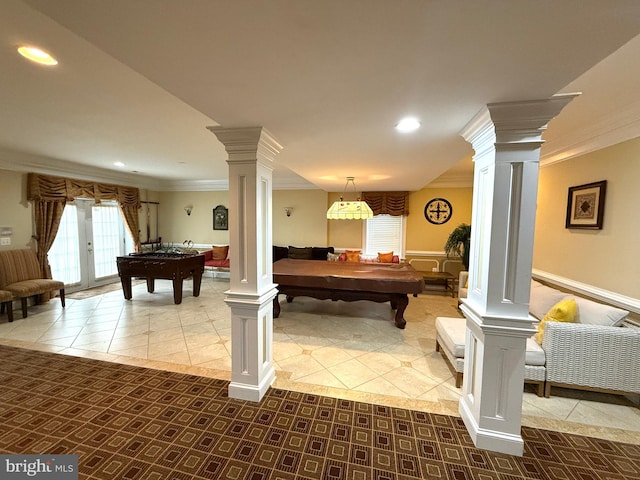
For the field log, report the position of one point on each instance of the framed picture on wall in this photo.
(221, 218)
(585, 206)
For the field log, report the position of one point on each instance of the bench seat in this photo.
(450, 340)
(20, 275)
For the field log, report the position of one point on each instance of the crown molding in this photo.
(26, 162)
(617, 127)
(456, 180)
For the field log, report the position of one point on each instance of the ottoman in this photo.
(450, 340)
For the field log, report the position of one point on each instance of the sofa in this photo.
(20, 275)
(592, 351)
(302, 253)
(217, 258)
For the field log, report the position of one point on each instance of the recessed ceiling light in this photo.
(408, 124)
(36, 55)
(118, 164)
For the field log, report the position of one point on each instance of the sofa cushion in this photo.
(300, 253)
(220, 252)
(542, 299)
(594, 313)
(563, 311)
(452, 334)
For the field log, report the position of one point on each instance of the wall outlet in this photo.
(434, 269)
(5, 240)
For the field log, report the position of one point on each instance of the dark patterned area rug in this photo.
(129, 422)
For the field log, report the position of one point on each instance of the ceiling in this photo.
(138, 81)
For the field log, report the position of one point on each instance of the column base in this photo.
(251, 392)
(490, 439)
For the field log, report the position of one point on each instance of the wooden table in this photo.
(170, 266)
(440, 278)
(347, 281)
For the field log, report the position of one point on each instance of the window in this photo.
(384, 233)
(64, 255)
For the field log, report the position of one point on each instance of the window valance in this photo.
(390, 203)
(60, 189)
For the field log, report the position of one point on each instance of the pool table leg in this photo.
(399, 303)
(276, 307)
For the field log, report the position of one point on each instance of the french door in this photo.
(89, 239)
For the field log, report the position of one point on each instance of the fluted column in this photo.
(506, 138)
(250, 296)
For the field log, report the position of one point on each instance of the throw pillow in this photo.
(563, 311)
(353, 255)
(385, 257)
(333, 257)
(320, 253)
(220, 253)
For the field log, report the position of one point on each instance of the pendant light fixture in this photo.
(355, 210)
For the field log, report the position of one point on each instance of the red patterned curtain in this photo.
(390, 203)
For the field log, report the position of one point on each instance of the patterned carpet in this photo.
(129, 422)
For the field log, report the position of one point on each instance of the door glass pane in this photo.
(64, 255)
(107, 243)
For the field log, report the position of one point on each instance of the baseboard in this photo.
(490, 439)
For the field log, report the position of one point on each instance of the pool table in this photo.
(347, 281)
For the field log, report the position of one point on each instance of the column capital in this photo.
(247, 143)
(509, 124)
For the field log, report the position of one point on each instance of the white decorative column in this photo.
(250, 296)
(506, 138)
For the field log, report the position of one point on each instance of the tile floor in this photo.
(340, 349)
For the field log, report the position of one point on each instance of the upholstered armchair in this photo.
(463, 277)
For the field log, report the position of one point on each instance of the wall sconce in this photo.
(288, 211)
(188, 209)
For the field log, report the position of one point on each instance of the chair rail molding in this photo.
(596, 293)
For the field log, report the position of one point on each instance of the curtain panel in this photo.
(50, 194)
(390, 203)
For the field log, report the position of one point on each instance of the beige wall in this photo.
(176, 226)
(307, 225)
(15, 211)
(423, 236)
(606, 258)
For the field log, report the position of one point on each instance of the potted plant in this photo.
(459, 242)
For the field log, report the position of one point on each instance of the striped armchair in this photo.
(20, 275)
